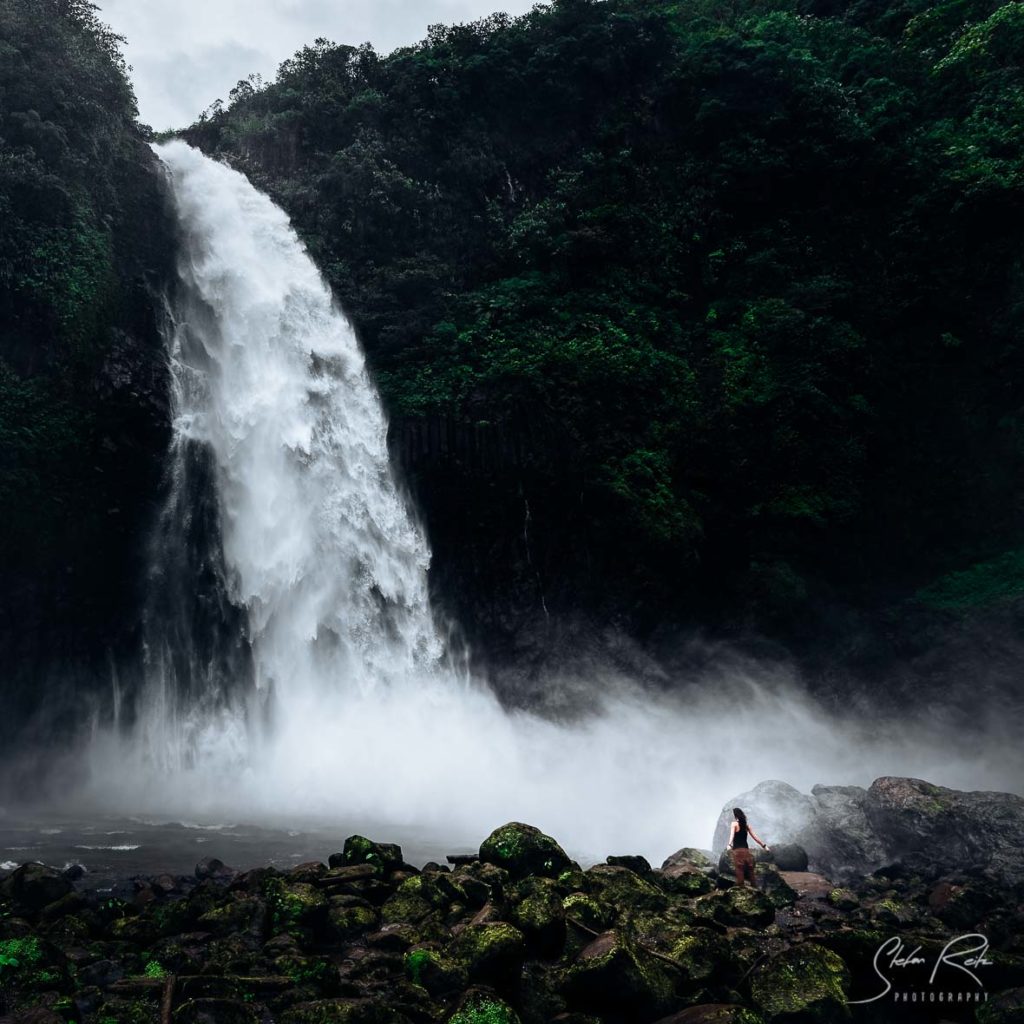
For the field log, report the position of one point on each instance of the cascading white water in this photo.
(348, 706)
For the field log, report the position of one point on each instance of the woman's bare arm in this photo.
(732, 833)
(756, 837)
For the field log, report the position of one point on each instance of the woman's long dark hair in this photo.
(740, 816)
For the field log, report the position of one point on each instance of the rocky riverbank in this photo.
(515, 933)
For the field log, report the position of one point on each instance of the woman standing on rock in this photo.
(742, 858)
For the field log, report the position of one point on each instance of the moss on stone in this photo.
(584, 908)
(538, 913)
(807, 981)
(843, 899)
(360, 850)
(485, 1009)
(412, 901)
(624, 890)
(524, 850)
(701, 955)
(491, 951)
(347, 922)
(614, 973)
(438, 974)
(293, 907)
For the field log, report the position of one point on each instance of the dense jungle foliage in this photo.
(82, 225)
(709, 310)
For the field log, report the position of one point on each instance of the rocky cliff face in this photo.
(86, 250)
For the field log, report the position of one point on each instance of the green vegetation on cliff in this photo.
(678, 307)
(82, 231)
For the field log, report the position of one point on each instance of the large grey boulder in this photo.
(841, 841)
(775, 810)
(848, 830)
(948, 827)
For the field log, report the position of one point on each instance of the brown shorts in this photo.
(743, 865)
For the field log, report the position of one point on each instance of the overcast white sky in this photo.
(187, 53)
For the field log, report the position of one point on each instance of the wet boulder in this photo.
(613, 972)
(776, 811)
(32, 887)
(687, 855)
(479, 1006)
(623, 890)
(771, 882)
(702, 955)
(214, 868)
(440, 975)
(384, 857)
(537, 911)
(740, 906)
(950, 827)
(962, 904)
(684, 880)
(634, 862)
(583, 908)
(523, 850)
(492, 952)
(807, 983)
(789, 857)
(841, 842)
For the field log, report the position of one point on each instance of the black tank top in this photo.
(739, 841)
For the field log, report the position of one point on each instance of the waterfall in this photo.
(318, 546)
(294, 665)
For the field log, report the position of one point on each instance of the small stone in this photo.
(213, 867)
(632, 861)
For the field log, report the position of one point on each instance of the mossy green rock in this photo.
(688, 855)
(741, 907)
(484, 1008)
(584, 908)
(240, 915)
(613, 973)
(624, 890)
(294, 907)
(360, 850)
(31, 964)
(684, 880)
(774, 886)
(701, 954)
(891, 912)
(524, 850)
(538, 913)
(843, 899)
(414, 899)
(440, 975)
(348, 921)
(807, 983)
(489, 952)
